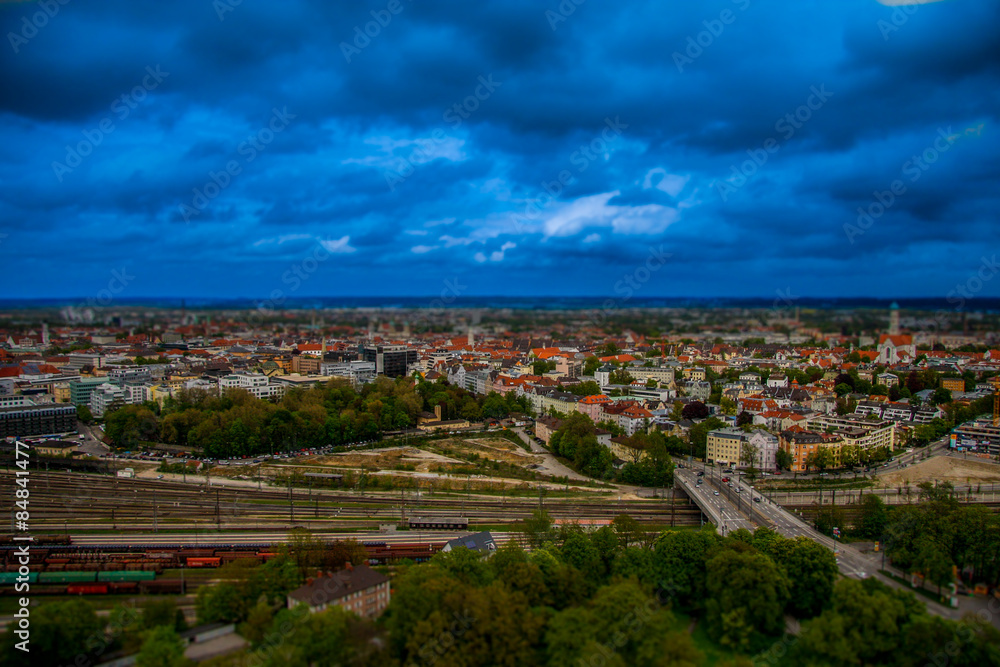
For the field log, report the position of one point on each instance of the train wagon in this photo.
(11, 578)
(67, 577)
(123, 587)
(204, 562)
(160, 586)
(87, 589)
(439, 523)
(127, 575)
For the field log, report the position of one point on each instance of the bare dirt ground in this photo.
(944, 469)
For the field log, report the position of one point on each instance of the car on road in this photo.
(701, 473)
(715, 493)
(737, 489)
(757, 499)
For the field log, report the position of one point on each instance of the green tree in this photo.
(783, 459)
(679, 565)
(863, 626)
(941, 396)
(221, 603)
(821, 459)
(161, 648)
(130, 425)
(746, 594)
(162, 612)
(872, 517)
(60, 631)
(812, 570)
(83, 414)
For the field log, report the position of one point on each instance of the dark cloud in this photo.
(525, 151)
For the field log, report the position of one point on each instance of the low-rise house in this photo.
(482, 543)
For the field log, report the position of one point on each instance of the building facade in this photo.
(31, 420)
(356, 588)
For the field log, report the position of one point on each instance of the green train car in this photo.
(66, 577)
(127, 575)
(10, 578)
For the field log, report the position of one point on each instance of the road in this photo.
(550, 464)
(852, 563)
(727, 517)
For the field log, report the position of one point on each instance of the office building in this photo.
(31, 420)
(390, 360)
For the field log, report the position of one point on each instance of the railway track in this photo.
(89, 502)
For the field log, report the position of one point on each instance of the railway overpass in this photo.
(714, 506)
(729, 514)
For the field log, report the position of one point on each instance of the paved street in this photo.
(723, 509)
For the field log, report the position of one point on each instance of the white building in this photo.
(767, 449)
(105, 397)
(257, 384)
(123, 375)
(358, 372)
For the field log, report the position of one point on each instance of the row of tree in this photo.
(236, 423)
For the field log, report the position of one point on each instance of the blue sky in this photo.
(718, 148)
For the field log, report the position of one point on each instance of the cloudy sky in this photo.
(720, 148)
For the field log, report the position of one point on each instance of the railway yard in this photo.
(67, 502)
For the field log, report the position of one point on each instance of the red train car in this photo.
(123, 587)
(87, 589)
(204, 562)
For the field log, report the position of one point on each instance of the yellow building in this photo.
(953, 384)
(60, 392)
(724, 446)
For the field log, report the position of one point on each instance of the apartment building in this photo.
(856, 430)
(358, 372)
(106, 398)
(801, 444)
(81, 390)
(122, 375)
(28, 420)
(356, 588)
(257, 384)
(725, 445)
